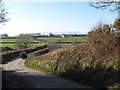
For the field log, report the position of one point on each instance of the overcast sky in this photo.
(53, 17)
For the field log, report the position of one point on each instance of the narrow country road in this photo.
(16, 75)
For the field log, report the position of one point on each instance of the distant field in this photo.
(8, 40)
(54, 39)
(49, 39)
(7, 45)
(65, 39)
(13, 46)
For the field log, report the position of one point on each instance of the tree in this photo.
(104, 4)
(4, 35)
(22, 42)
(51, 35)
(3, 13)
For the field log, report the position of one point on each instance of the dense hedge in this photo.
(5, 49)
(8, 56)
(38, 52)
(80, 65)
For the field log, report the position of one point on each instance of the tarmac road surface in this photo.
(16, 75)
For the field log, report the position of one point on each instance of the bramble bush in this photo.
(104, 41)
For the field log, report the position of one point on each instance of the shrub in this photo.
(116, 24)
(5, 49)
(104, 42)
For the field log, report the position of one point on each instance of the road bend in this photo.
(16, 75)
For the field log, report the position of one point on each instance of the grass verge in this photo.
(46, 70)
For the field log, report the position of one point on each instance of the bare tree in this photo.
(113, 5)
(3, 13)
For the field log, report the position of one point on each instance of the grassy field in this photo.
(8, 40)
(7, 45)
(49, 39)
(65, 39)
(54, 39)
(13, 46)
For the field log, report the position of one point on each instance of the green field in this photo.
(7, 45)
(65, 39)
(13, 46)
(8, 40)
(49, 39)
(54, 39)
